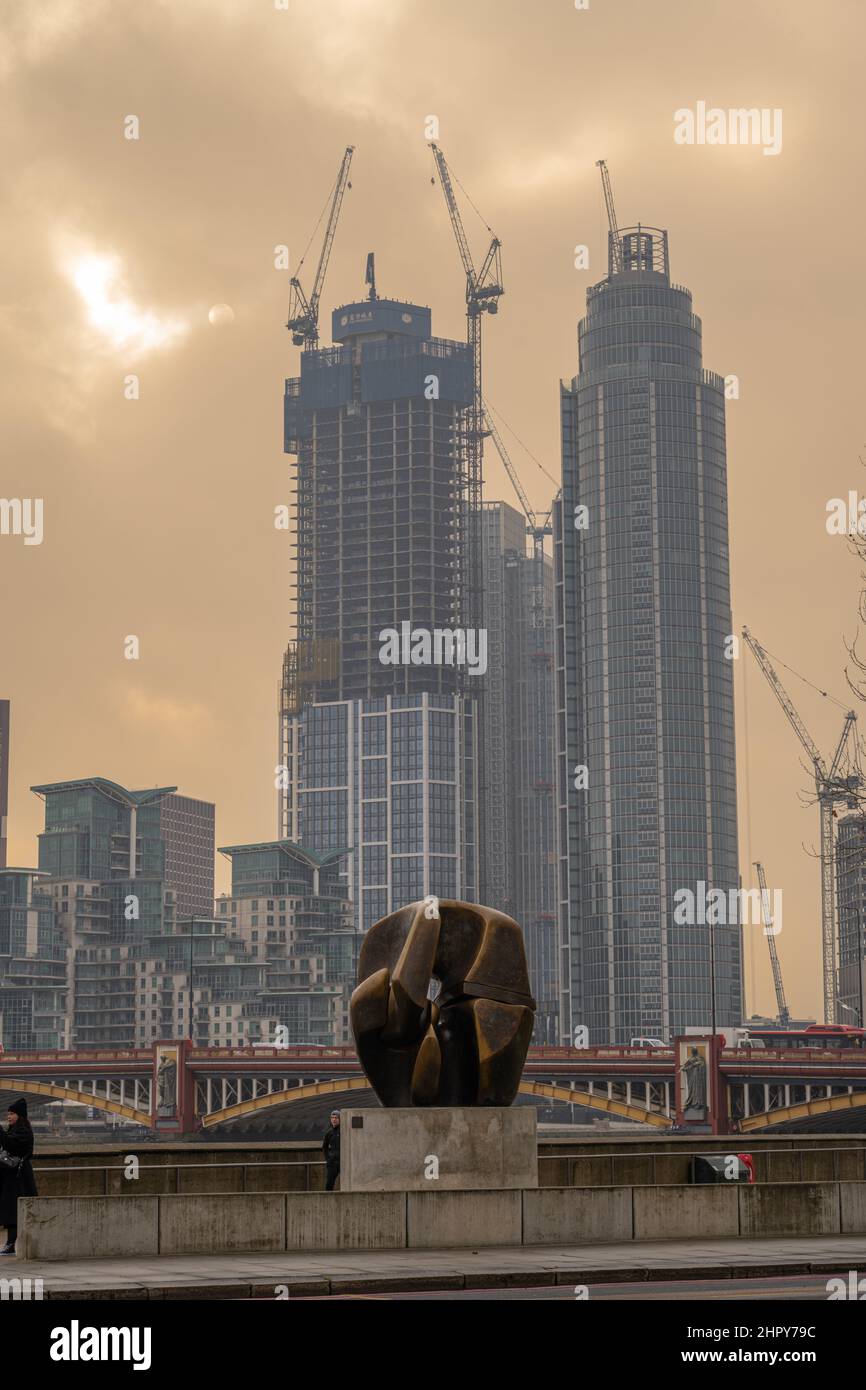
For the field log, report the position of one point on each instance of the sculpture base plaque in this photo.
(431, 1148)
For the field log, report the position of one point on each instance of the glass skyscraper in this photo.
(518, 818)
(851, 899)
(380, 756)
(4, 777)
(645, 718)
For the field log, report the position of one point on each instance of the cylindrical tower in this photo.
(645, 687)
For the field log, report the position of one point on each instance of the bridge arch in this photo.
(803, 1110)
(49, 1091)
(541, 1090)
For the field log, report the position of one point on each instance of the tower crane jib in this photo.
(614, 243)
(303, 321)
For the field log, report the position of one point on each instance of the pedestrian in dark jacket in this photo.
(17, 1140)
(331, 1150)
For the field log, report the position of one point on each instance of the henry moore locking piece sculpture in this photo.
(468, 1045)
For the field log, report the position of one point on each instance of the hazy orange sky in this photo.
(158, 512)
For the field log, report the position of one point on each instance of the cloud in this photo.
(170, 716)
(116, 320)
(32, 33)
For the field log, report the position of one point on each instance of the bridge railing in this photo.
(347, 1052)
(343, 1052)
(603, 1049)
(84, 1055)
(749, 1056)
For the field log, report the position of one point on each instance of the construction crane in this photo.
(835, 784)
(781, 1003)
(538, 530)
(614, 241)
(483, 291)
(303, 321)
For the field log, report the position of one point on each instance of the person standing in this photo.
(331, 1150)
(17, 1141)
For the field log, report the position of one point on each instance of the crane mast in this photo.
(831, 788)
(303, 321)
(781, 1002)
(614, 241)
(483, 290)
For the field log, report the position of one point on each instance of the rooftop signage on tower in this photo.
(380, 316)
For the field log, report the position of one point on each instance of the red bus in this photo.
(834, 1035)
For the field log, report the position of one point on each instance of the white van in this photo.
(647, 1042)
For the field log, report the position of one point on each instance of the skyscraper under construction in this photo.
(645, 718)
(378, 738)
(518, 750)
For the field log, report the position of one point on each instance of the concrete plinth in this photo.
(438, 1149)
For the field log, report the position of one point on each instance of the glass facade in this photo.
(519, 826)
(645, 720)
(33, 979)
(5, 718)
(380, 755)
(187, 828)
(851, 899)
(398, 785)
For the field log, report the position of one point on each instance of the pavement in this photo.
(300, 1274)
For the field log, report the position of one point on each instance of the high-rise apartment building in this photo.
(4, 778)
(378, 716)
(645, 718)
(95, 951)
(102, 855)
(288, 906)
(187, 827)
(851, 912)
(518, 806)
(33, 965)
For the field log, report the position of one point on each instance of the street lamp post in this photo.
(191, 939)
(713, 974)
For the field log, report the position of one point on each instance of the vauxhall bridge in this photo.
(226, 1091)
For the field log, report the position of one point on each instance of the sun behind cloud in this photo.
(111, 313)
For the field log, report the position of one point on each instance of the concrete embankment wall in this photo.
(98, 1170)
(60, 1228)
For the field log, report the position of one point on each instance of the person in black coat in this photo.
(17, 1140)
(331, 1150)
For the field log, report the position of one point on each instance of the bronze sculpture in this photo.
(466, 1046)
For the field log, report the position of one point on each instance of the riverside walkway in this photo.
(320, 1274)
